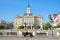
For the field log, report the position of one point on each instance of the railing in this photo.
(11, 33)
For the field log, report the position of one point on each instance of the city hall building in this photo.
(28, 20)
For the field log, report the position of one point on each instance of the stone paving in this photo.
(39, 37)
(28, 38)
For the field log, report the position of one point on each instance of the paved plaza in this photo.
(37, 37)
(28, 38)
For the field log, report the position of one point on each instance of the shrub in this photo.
(21, 27)
(38, 27)
(1, 26)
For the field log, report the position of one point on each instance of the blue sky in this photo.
(10, 8)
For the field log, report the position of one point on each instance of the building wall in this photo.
(29, 20)
(38, 21)
(17, 22)
(56, 19)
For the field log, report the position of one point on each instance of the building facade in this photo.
(4, 23)
(56, 19)
(28, 19)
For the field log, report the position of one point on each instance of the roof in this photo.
(28, 16)
(56, 14)
(28, 5)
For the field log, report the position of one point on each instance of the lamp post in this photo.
(52, 32)
(25, 25)
(50, 17)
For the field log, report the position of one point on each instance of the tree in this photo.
(11, 25)
(54, 27)
(37, 27)
(21, 27)
(1, 26)
(57, 26)
(47, 26)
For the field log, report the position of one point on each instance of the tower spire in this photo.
(28, 8)
(28, 3)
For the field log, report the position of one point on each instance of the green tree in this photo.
(37, 27)
(47, 26)
(1, 26)
(57, 26)
(21, 27)
(54, 27)
(11, 25)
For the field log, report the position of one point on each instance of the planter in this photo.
(11, 33)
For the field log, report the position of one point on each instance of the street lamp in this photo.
(52, 31)
(25, 25)
(50, 17)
